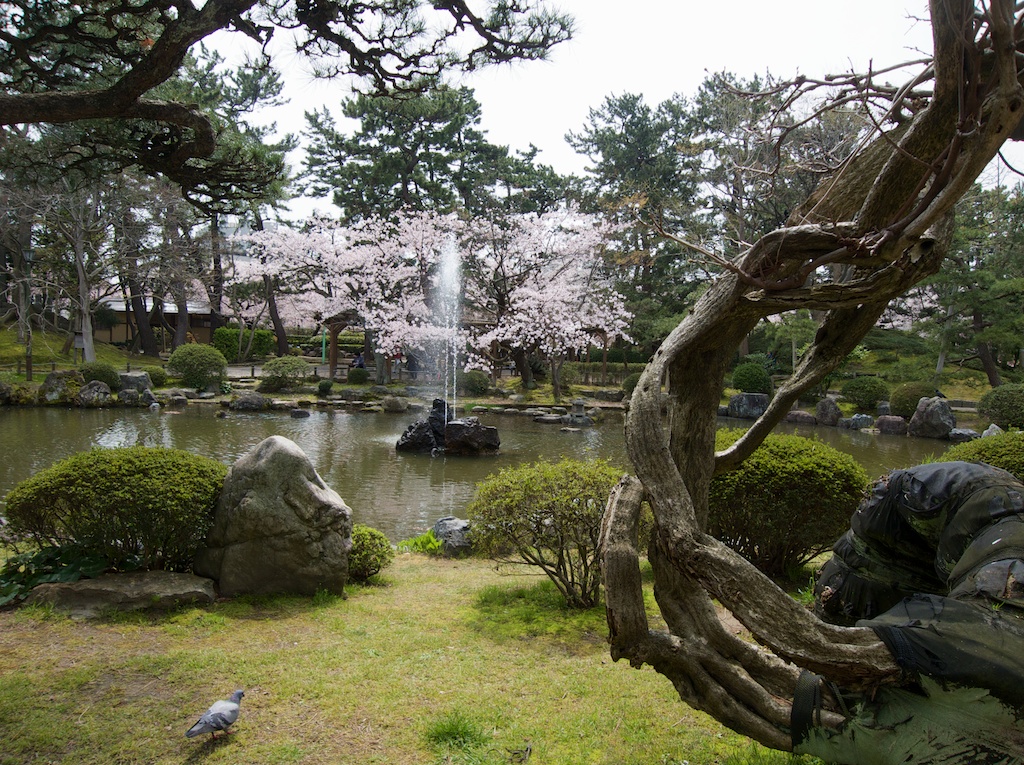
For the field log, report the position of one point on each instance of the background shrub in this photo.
(157, 376)
(323, 388)
(358, 375)
(198, 366)
(1003, 450)
(788, 502)
(1004, 406)
(225, 340)
(284, 372)
(629, 384)
(137, 507)
(371, 553)
(546, 515)
(473, 383)
(103, 372)
(865, 392)
(752, 378)
(903, 400)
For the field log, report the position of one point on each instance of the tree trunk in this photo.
(988, 362)
(269, 283)
(143, 322)
(522, 362)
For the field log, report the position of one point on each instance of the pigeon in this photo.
(220, 716)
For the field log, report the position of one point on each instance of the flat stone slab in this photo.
(162, 590)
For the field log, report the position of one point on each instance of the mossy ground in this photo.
(382, 676)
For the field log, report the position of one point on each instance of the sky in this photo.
(656, 48)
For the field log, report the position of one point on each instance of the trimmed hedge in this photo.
(903, 400)
(752, 378)
(865, 392)
(786, 503)
(137, 507)
(103, 372)
(198, 366)
(283, 372)
(1004, 406)
(225, 340)
(371, 553)
(1003, 450)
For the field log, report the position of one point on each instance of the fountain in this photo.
(442, 432)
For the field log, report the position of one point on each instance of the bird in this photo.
(220, 716)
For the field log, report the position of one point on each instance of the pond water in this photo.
(400, 494)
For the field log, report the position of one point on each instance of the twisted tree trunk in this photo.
(884, 218)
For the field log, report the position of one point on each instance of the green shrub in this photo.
(903, 400)
(570, 374)
(546, 515)
(786, 503)
(157, 376)
(1004, 406)
(473, 383)
(225, 340)
(323, 388)
(103, 372)
(1003, 450)
(766, 360)
(137, 507)
(425, 543)
(865, 392)
(752, 378)
(371, 553)
(358, 376)
(20, 573)
(198, 366)
(284, 372)
(629, 384)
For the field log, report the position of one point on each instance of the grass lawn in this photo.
(441, 662)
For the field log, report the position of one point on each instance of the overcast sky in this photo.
(657, 48)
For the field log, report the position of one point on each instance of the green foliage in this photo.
(455, 730)
(903, 400)
(371, 553)
(198, 366)
(1002, 450)
(1004, 406)
(766, 360)
(323, 388)
(226, 340)
(546, 515)
(284, 372)
(70, 563)
(425, 543)
(752, 378)
(865, 392)
(358, 376)
(473, 383)
(897, 341)
(102, 372)
(629, 384)
(786, 503)
(157, 376)
(137, 507)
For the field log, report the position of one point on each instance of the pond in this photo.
(400, 494)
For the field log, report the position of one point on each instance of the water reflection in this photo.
(401, 494)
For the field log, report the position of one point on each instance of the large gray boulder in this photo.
(933, 418)
(800, 417)
(162, 590)
(891, 425)
(138, 381)
(748, 406)
(827, 411)
(468, 437)
(250, 401)
(453, 533)
(61, 387)
(94, 394)
(278, 527)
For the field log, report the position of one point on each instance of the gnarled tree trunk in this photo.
(884, 217)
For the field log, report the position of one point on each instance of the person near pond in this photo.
(358, 362)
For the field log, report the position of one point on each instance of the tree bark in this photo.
(885, 217)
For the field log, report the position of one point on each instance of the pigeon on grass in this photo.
(220, 716)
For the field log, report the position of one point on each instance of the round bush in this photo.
(752, 378)
(198, 366)
(1004, 406)
(358, 376)
(1003, 450)
(546, 515)
(629, 384)
(138, 507)
(102, 372)
(473, 383)
(283, 372)
(904, 398)
(157, 376)
(371, 553)
(788, 502)
(323, 388)
(865, 392)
